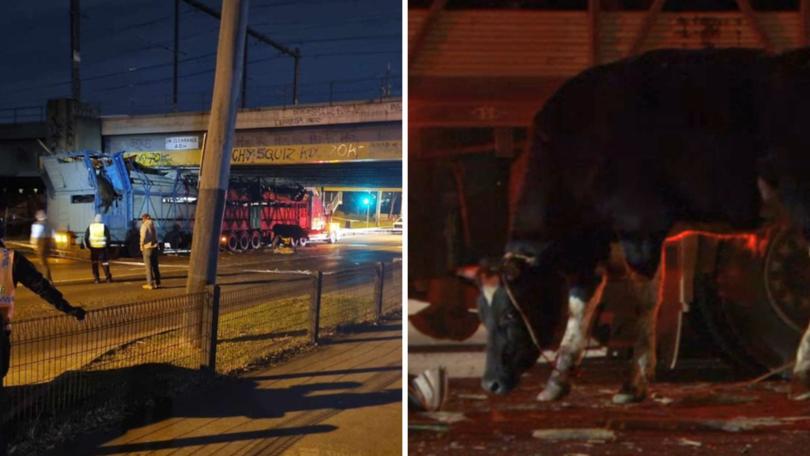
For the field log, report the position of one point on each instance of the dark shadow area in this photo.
(268, 336)
(241, 398)
(76, 398)
(361, 328)
(363, 370)
(362, 339)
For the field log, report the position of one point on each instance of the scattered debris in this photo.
(445, 417)
(731, 425)
(428, 427)
(663, 400)
(582, 434)
(428, 391)
(686, 442)
(477, 397)
(743, 424)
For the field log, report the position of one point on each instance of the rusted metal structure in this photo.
(478, 73)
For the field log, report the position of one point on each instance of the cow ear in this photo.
(469, 272)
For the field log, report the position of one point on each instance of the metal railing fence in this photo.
(58, 362)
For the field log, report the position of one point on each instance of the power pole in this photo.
(176, 52)
(243, 98)
(296, 75)
(216, 165)
(75, 56)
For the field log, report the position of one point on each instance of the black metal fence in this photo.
(57, 362)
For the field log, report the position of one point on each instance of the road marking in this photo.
(135, 263)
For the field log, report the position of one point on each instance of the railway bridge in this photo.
(343, 147)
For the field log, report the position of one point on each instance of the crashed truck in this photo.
(257, 213)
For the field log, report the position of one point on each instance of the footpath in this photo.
(343, 398)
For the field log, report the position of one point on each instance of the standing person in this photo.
(149, 244)
(14, 269)
(97, 239)
(42, 239)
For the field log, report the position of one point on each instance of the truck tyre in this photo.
(255, 240)
(333, 237)
(303, 242)
(752, 305)
(233, 243)
(244, 241)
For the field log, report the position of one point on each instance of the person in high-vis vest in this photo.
(14, 269)
(97, 239)
(42, 239)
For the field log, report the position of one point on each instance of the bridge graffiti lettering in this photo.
(262, 154)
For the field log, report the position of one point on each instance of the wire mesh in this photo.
(263, 320)
(58, 361)
(392, 288)
(348, 297)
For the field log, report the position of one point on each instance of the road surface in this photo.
(73, 277)
(701, 409)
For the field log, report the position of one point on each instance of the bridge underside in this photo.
(383, 174)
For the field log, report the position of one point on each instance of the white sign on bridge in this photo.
(182, 142)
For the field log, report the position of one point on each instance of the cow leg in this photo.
(583, 299)
(643, 254)
(800, 389)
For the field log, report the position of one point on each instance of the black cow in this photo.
(628, 152)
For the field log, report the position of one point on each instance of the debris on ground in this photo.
(428, 427)
(429, 390)
(445, 417)
(477, 397)
(663, 400)
(686, 442)
(684, 417)
(582, 434)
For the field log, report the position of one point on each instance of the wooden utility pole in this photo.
(215, 168)
(75, 55)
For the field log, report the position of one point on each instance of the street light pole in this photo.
(216, 164)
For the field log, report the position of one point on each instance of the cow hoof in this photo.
(799, 389)
(554, 391)
(630, 394)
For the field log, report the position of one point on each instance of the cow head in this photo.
(520, 305)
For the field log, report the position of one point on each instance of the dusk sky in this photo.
(126, 52)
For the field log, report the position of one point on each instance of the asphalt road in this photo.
(74, 278)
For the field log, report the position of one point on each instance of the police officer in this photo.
(97, 239)
(14, 269)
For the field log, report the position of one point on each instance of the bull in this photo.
(628, 152)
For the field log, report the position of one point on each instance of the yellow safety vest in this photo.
(97, 239)
(6, 283)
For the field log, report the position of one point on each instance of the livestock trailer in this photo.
(80, 185)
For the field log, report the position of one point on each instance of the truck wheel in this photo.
(333, 237)
(754, 304)
(233, 243)
(255, 240)
(303, 242)
(244, 241)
